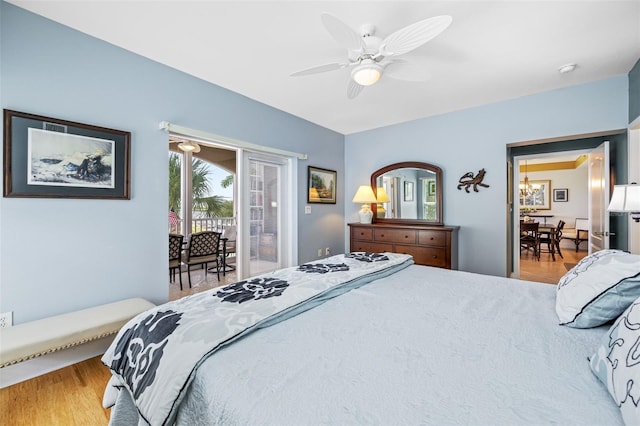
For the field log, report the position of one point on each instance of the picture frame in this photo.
(322, 185)
(560, 195)
(539, 198)
(431, 187)
(408, 190)
(46, 157)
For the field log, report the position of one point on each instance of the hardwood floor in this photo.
(73, 395)
(546, 270)
(66, 397)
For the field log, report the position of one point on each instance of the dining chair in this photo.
(203, 248)
(529, 237)
(558, 236)
(579, 233)
(175, 257)
(551, 238)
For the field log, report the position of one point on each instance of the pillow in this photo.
(598, 289)
(616, 363)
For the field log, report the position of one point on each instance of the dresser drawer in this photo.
(371, 247)
(429, 245)
(405, 236)
(432, 238)
(429, 256)
(361, 233)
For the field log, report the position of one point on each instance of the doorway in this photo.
(552, 192)
(263, 199)
(543, 151)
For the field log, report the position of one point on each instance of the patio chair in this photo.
(230, 233)
(175, 257)
(204, 248)
(579, 233)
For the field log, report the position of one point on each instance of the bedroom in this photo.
(53, 70)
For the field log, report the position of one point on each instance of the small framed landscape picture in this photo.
(560, 195)
(322, 186)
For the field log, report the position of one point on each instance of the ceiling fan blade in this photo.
(415, 35)
(342, 33)
(319, 69)
(414, 70)
(353, 89)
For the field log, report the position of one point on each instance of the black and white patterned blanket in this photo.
(155, 355)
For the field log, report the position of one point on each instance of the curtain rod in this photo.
(185, 131)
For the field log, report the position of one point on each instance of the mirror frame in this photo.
(404, 165)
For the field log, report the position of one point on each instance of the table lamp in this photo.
(382, 197)
(365, 196)
(626, 198)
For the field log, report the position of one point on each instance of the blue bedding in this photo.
(154, 356)
(421, 346)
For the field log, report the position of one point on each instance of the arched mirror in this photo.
(408, 192)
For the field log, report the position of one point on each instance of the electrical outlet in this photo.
(307, 210)
(6, 319)
(319, 252)
(327, 251)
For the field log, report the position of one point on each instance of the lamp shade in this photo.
(382, 195)
(626, 198)
(364, 195)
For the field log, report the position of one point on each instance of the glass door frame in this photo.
(287, 220)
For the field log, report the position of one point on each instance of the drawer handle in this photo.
(382, 235)
(432, 238)
(435, 256)
(406, 236)
(362, 233)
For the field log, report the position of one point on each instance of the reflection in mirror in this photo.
(408, 192)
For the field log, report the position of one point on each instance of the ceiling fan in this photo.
(370, 56)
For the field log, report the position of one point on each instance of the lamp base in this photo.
(381, 213)
(365, 214)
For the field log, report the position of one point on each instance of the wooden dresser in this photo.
(429, 245)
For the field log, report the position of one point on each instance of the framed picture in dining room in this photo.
(535, 194)
(560, 195)
(46, 157)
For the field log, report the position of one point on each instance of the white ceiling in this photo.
(493, 50)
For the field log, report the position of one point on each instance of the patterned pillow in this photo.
(598, 289)
(616, 363)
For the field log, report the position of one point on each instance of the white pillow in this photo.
(598, 289)
(616, 363)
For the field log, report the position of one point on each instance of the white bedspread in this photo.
(425, 346)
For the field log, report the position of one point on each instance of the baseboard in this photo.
(44, 364)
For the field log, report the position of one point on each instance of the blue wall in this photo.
(476, 138)
(58, 255)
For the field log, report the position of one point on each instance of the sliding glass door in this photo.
(266, 205)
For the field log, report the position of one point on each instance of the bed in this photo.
(411, 345)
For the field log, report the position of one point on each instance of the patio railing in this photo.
(204, 224)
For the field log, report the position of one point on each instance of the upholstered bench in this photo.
(33, 339)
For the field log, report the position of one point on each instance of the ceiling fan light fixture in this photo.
(189, 146)
(367, 73)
